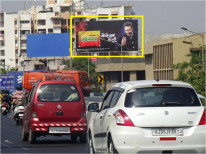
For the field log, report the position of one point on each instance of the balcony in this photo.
(23, 37)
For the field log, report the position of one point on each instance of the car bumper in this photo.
(139, 140)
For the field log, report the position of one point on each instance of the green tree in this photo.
(82, 65)
(192, 72)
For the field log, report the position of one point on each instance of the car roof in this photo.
(149, 83)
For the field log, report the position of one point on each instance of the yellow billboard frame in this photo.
(97, 16)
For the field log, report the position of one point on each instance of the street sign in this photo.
(7, 82)
(101, 79)
(94, 59)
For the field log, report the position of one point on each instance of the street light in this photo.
(184, 28)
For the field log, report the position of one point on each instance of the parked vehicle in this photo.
(18, 111)
(148, 117)
(81, 78)
(4, 108)
(55, 108)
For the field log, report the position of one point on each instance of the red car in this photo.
(55, 108)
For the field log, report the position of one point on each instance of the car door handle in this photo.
(101, 116)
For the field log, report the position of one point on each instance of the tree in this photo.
(5, 71)
(82, 65)
(192, 72)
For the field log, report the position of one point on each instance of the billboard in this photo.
(48, 45)
(98, 36)
(7, 82)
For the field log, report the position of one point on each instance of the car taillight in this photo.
(34, 110)
(122, 118)
(203, 119)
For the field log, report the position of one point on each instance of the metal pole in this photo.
(121, 64)
(88, 66)
(203, 62)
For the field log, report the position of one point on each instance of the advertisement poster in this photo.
(98, 36)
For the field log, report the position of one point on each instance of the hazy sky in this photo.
(160, 16)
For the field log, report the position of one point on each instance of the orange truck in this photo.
(81, 77)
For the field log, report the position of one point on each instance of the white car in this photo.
(148, 117)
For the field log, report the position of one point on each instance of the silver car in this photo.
(148, 117)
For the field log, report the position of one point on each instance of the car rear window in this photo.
(58, 93)
(161, 96)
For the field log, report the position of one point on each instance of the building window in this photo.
(38, 67)
(114, 15)
(57, 21)
(16, 52)
(16, 61)
(24, 21)
(148, 59)
(63, 22)
(15, 22)
(41, 22)
(1, 43)
(16, 31)
(2, 53)
(50, 30)
(103, 15)
(23, 51)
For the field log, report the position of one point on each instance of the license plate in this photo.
(21, 115)
(59, 129)
(167, 132)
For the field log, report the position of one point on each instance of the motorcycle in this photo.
(18, 112)
(4, 108)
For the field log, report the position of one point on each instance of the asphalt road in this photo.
(11, 141)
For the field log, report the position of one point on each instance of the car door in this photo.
(97, 127)
(107, 118)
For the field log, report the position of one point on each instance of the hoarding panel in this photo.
(48, 45)
(98, 36)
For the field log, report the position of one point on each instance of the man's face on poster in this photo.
(128, 30)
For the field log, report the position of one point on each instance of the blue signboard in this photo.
(48, 45)
(7, 82)
(17, 78)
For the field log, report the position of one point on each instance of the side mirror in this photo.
(93, 107)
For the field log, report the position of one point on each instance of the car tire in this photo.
(111, 149)
(90, 145)
(83, 138)
(32, 137)
(74, 138)
(24, 135)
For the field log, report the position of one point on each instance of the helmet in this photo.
(19, 87)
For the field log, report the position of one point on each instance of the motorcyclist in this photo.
(7, 99)
(19, 93)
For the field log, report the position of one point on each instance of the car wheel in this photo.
(32, 137)
(111, 148)
(83, 138)
(90, 145)
(74, 137)
(24, 135)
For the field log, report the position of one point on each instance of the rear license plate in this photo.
(59, 129)
(167, 132)
(21, 115)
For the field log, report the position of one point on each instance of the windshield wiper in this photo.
(171, 103)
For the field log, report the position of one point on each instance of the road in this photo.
(11, 141)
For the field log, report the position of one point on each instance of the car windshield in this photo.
(161, 97)
(58, 93)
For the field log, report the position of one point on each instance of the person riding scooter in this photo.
(7, 99)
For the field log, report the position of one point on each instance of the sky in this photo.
(161, 17)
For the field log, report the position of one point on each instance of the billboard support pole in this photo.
(88, 65)
(121, 64)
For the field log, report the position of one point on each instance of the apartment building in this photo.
(162, 54)
(8, 41)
